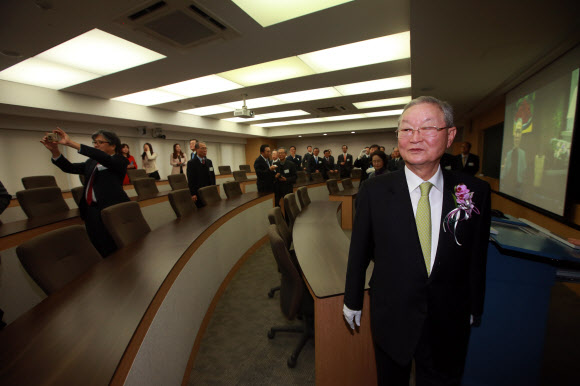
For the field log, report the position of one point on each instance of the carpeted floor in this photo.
(236, 351)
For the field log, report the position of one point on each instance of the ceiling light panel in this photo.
(283, 114)
(345, 117)
(208, 110)
(308, 95)
(372, 51)
(383, 113)
(100, 53)
(42, 73)
(383, 102)
(205, 85)
(268, 12)
(274, 71)
(386, 84)
(149, 97)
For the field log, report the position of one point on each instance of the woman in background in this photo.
(149, 163)
(130, 158)
(178, 160)
(379, 161)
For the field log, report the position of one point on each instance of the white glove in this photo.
(370, 170)
(362, 153)
(351, 316)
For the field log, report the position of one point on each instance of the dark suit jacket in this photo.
(364, 163)
(313, 166)
(107, 183)
(347, 167)
(199, 175)
(297, 161)
(471, 165)
(393, 164)
(305, 160)
(265, 176)
(403, 298)
(331, 163)
(287, 170)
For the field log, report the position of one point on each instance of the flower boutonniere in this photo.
(464, 208)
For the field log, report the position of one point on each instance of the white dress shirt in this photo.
(435, 202)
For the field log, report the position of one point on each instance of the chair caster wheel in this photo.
(292, 362)
(271, 334)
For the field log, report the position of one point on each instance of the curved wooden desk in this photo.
(342, 357)
(134, 317)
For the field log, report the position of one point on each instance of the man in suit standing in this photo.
(328, 162)
(265, 171)
(428, 284)
(396, 162)
(466, 162)
(345, 163)
(306, 157)
(364, 161)
(200, 173)
(297, 159)
(285, 176)
(104, 173)
(315, 164)
(192, 143)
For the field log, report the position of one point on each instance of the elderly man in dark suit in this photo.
(104, 173)
(316, 163)
(285, 176)
(296, 158)
(345, 162)
(200, 172)
(306, 157)
(265, 170)
(466, 162)
(396, 162)
(428, 282)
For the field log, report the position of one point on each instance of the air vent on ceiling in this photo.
(179, 23)
(331, 109)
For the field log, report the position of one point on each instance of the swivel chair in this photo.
(240, 176)
(135, 174)
(39, 202)
(332, 186)
(291, 209)
(77, 194)
(224, 170)
(246, 168)
(303, 197)
(38, 182)
(177, 181)
(209, 194)
(145, 187)
(232, 189)
(317, 177)
(125, 222)
(181, 202)
(347, 184)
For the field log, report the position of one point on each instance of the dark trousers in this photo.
(428, 370)
(280, 190)
(97, 232)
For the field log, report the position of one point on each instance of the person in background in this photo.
(315, 163)
(265, 170)
(466, 162)
(285, 176)
(447, 161)
(200, 172)
(192, 143)
(345, 162)
(306, 157)
(149, 163)
(297, 159)
(379, 162)
(104, 172)
(396, 162)
(328, 163)
(178, 160)
(333, 166)
(132, 163)
(364, 161)
(274, 156)
(382, 148)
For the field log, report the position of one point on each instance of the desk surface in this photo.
(322, 248)
(79, 334)
(346, 192)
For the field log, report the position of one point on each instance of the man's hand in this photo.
(273, 167)
(351, 316)
(277, 175)
(194, 198)
(342, 163)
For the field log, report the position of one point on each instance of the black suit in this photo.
(282, 188)
(395, 164)
(316, 163)
(265, 176)
(406, 303)
(297, 161)
(107, 187)
(331, 163)
(198, 176)
(364, 163)
(305, 161)
(347, 167)
(471, 164)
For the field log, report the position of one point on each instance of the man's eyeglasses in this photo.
(97, 142)
(426, 132)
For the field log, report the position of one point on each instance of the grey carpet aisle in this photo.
(235, 349)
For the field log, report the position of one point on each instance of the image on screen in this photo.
(538, 129)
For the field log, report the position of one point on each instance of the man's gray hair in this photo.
(445, 108)
(282, 148)
(198, 144)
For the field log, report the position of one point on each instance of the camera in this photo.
(52, 137)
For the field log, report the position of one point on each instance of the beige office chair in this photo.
(232, 189)
(303, 197)
(39, 202)
(181, 202)
(295, 300)
(209, 194)
(240, 176)
(291, 209)
(135, 174)
(77, 194)
(317, 177)
(145, 187)
(246, 168)
(33, 182)
(55, 258)
(332, 186)
(177, 181)
(355, 173)
(347, 184)
(301, 177)
(224, 170)
(125, 222)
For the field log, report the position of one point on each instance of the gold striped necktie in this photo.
(423, 221)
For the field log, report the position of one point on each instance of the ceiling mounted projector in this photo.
(244, 112)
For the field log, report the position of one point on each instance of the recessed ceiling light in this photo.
(149, 97)
(324, 134)
(205, 85)
(378, 50)
(383, 102)
(274, 71)
(352, 132)
(267, 12)
(299, 136)
(375, 85)
(208, 110)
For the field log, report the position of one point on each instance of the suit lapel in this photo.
(443, 245)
